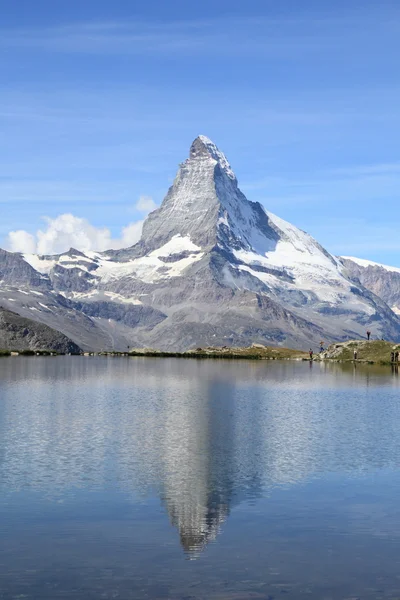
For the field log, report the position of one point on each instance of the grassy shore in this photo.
(29, 353)
(256, 352)
(374, 351)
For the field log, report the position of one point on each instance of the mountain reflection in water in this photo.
(202, 435)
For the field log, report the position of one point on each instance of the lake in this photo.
(198, 479)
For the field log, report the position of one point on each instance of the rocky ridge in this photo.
(18, 333)
(382, 280)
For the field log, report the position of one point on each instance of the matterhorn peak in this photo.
(211, 268)
(202, 146)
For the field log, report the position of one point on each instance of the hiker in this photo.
(368, 335)
(396, 356)
(321, 344)
(392, 357)
(355, 354)
(311, 353)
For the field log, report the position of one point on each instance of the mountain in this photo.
(18, 333)
(382, 280)
(211, 268)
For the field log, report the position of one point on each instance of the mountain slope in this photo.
(211, 268)
(382, 280)
(18, 333)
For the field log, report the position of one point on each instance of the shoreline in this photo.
(372, 352)
(159, 354)
(181, 355)
(205, 356)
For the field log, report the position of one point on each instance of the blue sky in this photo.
(100, 100)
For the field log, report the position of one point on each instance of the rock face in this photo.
(382, 280)
(211, 269)
(18, 333)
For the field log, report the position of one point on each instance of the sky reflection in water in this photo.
(272, 477)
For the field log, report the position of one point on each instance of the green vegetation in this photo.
(374, 351)
(28, 352)
(256, 352)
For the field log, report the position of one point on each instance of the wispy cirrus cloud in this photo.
(218, 37)
(368, 170)
(359, 237)
(61, 191)
(359, 184)
(258, 36)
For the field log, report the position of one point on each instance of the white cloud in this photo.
(145, 204)
(66, 231)
(21, 241)
(130, 234)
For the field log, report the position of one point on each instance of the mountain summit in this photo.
(211, 268)
(203, 146)
(206, 205)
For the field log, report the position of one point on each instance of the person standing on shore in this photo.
(368, 335)
(355, 354)
(311, 353)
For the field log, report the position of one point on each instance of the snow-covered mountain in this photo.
(382, 280)
(211, 268)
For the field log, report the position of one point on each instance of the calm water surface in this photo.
(156, 478)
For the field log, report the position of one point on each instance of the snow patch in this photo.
(150, 268)
(296, 255)
(217, 155)
(361, 262)
(41, 265)
(93, 255)
(223, 220)
(99, 296)
(44, 306)
(176, 245)
(74, 262)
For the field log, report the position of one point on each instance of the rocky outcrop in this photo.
(382, 280)
(18, 333)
